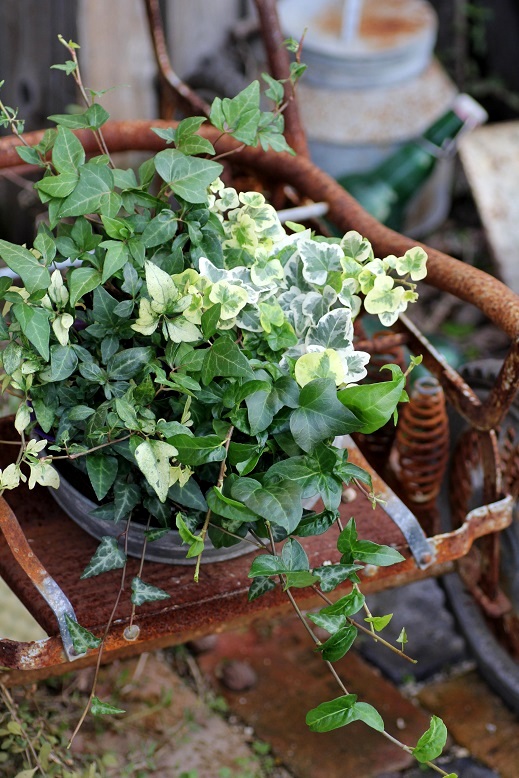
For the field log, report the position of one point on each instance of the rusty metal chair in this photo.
(41, 548)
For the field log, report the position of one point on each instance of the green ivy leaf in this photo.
(198, 450)
(109, 556)
(35, 326)
(278, 503)
(58, 186)
(100, 708)
(210, 319)
(330, 576)
(81, 281)
(342, 711)
(373, 404)
(95, 180)
(188, 177)
(379, 622)
(228, 508)
(330, 623)
(260, 586)
(67, 152)
(102, 471)
(195, 542)
(225, 358)
(82, 639)
(144, 592)
(115, 259)
(320, 415)
(432, 742)
(34, 275)
(266, 565)
(126, 364)
(346, 606)
(339, 643)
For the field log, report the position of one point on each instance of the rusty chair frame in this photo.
(40, 548)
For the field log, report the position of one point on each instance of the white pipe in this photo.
(351, 15)
(302, 212)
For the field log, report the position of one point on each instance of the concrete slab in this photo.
(291, 679)
(478, 720)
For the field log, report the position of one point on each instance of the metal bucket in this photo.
(168, 549)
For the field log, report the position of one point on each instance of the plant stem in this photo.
(90, 450)
(103, 640)
(234, 535)
(219, 484)
(88, 101)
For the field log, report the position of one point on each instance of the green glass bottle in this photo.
(386, 190)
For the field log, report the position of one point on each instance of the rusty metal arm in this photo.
(181, 90)
(33, 568)
(279, 66)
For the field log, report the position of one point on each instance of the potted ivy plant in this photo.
(191, 364)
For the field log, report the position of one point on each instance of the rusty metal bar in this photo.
(279, 66)
(33, 568)
(181, 90)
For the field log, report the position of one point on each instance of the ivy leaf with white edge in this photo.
(318, 260)
(414, 263)
(144, 592)
(109, 556)
(10, 477)
(320, 364)
(152, 458)
(161, 287)
(82, 639)
(43, 473)
(384, 296)
(22, 418)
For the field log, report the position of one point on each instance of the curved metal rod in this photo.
(33, 568)
(169, 77)
(279, 66)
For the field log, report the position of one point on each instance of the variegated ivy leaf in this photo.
(266, 272)
(384, 296)
(109, 556)
(61, 326)
(414, 263)
(316, 304)
(42, 472)
(227, 199)
(161, 287)
(10, 477)
(242, 233)
(320, 364)
(334, 330)
(147, 321)
(348, 295)
(232, 298)
(179, 474)
(22, 418)
(82, 638)
(354, 365)
(210, 271)
(356, 247)
(153, 461)
(144, 592)
(180, 330)
(271, 315)
(318, 260)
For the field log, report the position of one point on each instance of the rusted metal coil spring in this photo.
(421, 446)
